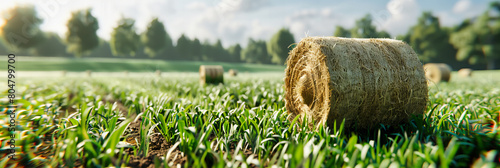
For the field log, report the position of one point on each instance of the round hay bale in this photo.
(211, 74)
(436, 72)
(158, 73)
(367, 82)
(233, 72)
(465, 72)
(88, 73)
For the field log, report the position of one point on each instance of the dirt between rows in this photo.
(158, 146)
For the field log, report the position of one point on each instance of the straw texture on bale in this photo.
(211, 74)
(367, 82)
(436, 72)
(233, 72)
(465, 72)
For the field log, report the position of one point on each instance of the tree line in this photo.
(475, 42)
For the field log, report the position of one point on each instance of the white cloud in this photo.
(313, 22)
(462, 6)
(225, 6)
(399, 16)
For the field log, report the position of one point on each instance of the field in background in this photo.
(133, 65)
(174, 120)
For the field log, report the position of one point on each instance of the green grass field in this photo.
(141, 121)
(132, 65)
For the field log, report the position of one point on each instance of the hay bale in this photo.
(465, 72)
(158, 73)
(367, 82)
(88, 73)
(233, 72)
(211, 74)
(436, 72)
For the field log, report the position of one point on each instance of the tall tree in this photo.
(82, 36)
(256, 52)
(196, 49)
(52, 45)
(341, 32)
(103, 50)
(156, 38)
(430, 41)
(279, 46)
(235, 53)
(124, 40)
(184, 48)
(363, 28)
(3, 47)
(479, 41)
(220, 54)
(22, 27)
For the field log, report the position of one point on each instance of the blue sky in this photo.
(234, 21)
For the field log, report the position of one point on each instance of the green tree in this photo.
(383, 34)
(364, 28)
(256, 52)
(156, 38)
(235, 53)
(220, 54)
(196, 49)
(124, 40)
(3, 47)
(430, 41)
(22, 27)
(82, 36)
(207, 51)
(102, 50)
(279, 46)
(184, 48)
(52, 45)
(342, 32)
(478, 42)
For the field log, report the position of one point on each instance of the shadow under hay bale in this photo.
(465, 72)
(233, 72)
(211, 74)
(367, 82)
(437, 72)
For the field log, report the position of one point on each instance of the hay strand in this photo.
(367, 82)
(437, 72)
(233, 72)
(465, 72)
(211, 74)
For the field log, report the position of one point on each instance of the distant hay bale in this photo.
(465, 72)
(436, 72)
(367, 82)
(233, 72)
(158, 73)
(211, 74)
(88, 73)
